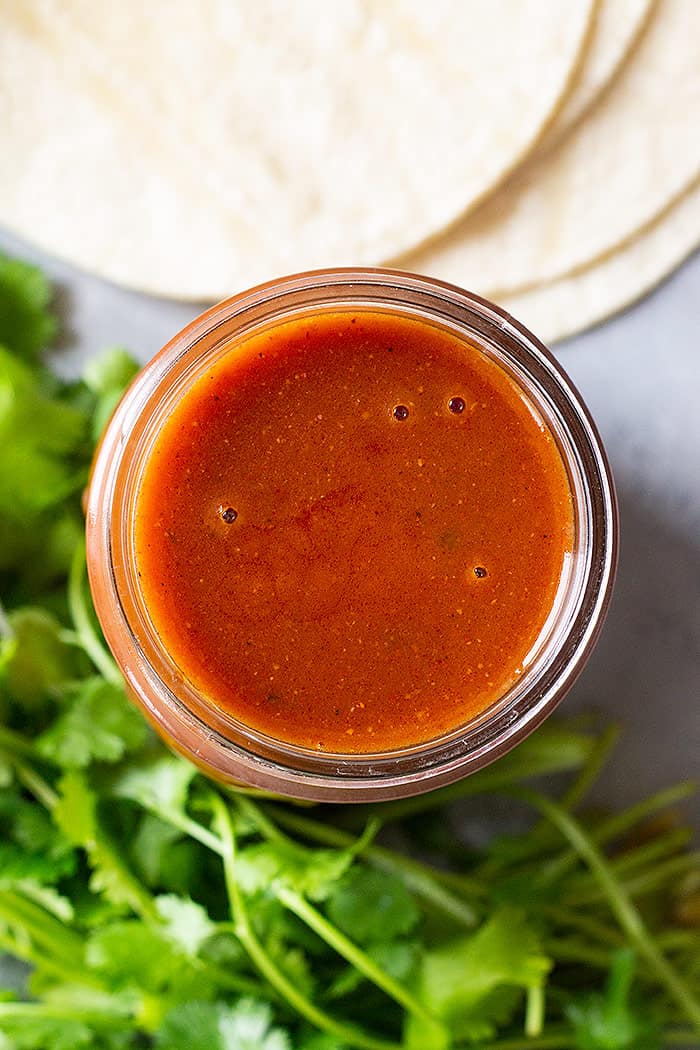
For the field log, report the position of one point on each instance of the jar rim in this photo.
(234, 752)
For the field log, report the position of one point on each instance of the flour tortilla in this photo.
(617, 25)
(636, 151)
(193, 149)
(568, 306)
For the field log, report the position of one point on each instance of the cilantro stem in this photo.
(26, 774)
(426, 883)
(189, 826)
(57, 1012)
(555, 1041)
(37, 785)
(562, 1039)
(569, 949)
(466, 884)
(615, 826)
(279, 981)
(619, 901)
(661, 874)
(642, 883)
(45, 929)
(233, 981)
(592, 768)
(543, 835)
(680, 940)
(80, 614)
(267, 828)
(665, 845)
(579, 889)
(620, 979)
(420, 878)
(21, 949)
(351, 952)
(109, 866)
(589, 774)
(103, 855)
(550, 750)
(586, 924)
(534, 1010)
(680, 1038)
(15, 744)
(263, 796)
(69, 637)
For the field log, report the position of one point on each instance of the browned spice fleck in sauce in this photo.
(351, 530)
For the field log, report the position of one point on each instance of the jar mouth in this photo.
(229, 748)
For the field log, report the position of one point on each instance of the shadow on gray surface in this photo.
(64, 306)
(646, 667)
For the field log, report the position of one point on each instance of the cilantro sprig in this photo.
(156, 909)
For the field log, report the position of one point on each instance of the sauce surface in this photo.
(351, 530)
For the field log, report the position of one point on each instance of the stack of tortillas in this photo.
(542, 154)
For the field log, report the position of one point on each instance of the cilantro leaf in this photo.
(130, 953)
(312, 872)
(99, 724)
(473, 983)
(294, 964)
(26, 324)
(164, 857)
(41, 439)
(101, 1008)
(39, 660)
(213, 1026)
(28, 1032)
(223, 949)
(18, 863)
(372, 905)
(611, 1021)
(34, 855)
(248, 1026)
(107, 376)
(111, 370)
(33, 560)
(24, 822)
(48, 897)
(75, 811)
(6, 773)
(75, 814)
(397, 958)
(141, 962)
(321, 1041)
(160, 783)
(186, 922)
(31, 827)
(191, 1026)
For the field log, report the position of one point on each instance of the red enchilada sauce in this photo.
(351, 530)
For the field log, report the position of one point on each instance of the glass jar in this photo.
(224, 747)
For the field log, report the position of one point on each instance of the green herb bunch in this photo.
(153, 908)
